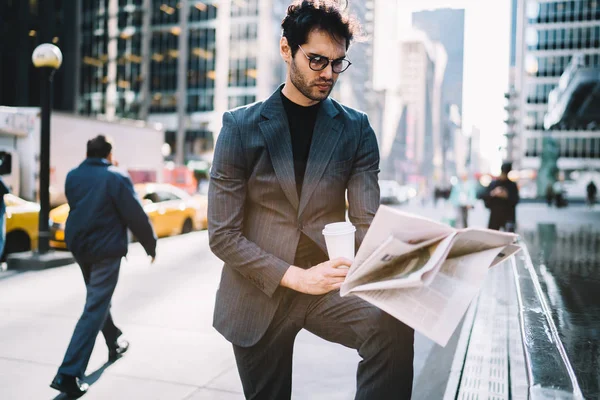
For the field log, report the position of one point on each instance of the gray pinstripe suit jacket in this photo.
(254, 213)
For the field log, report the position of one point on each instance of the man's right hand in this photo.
(320, 279)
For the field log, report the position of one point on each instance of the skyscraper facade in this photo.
(183, 63)
(447, 26)
(422, 67)
(23, 26)
(550, 37)
(511, 95)
(355, 86)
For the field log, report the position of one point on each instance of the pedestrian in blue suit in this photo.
(103, 205)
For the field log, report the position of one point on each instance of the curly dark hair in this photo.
(303, 16)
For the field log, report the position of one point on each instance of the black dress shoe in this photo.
(116, 352)
(69, 385)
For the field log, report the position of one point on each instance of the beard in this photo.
(309, 88)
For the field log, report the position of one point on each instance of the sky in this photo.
(486, 58)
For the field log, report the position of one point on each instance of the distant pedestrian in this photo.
(3, 190)
(501, 197)
(560, 194)
(103, 204)
(463, 198)
(592, 190)
(549, 194)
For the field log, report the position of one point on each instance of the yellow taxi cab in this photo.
(171, 210)
(22, 224)
(58, 219)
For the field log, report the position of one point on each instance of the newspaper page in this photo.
(435, 310)
(504, 254)
(422, 272)
(405, 227)
(472, 240)
(397, 264)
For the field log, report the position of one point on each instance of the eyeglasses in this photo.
(319, 63)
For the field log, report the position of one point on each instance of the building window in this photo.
(563, 11)
(163, 102)
(238, 101)
(197, 141)
(202, 11)
(124, 3)
(94, 73)
(165, 12)
(564, 38)
(201, 58)
(198, 101)
(241, 8)
(538, 94)
(163, 68)
(531, 147)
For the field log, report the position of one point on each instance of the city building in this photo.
(549, 35)
(152, 60)
(447, 26)
(385, 107)
(201, 59)
(355, 86)
(183, 63)
(392, 138)
(23, 26)
(512, 148)
(422, 65)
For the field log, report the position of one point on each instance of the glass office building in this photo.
(550, 34)
(243, 53)
(354, 87)
(134, 54)
(23, 26)
(131, 62)
(447, 26)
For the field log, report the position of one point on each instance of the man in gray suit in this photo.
(280, 171)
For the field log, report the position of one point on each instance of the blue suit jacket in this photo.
(103, 204)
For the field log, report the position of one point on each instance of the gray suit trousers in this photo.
(384, 343)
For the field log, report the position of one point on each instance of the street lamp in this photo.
(47, 58)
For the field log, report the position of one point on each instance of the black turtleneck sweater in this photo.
(301, 121)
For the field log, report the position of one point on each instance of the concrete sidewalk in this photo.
(165, 311)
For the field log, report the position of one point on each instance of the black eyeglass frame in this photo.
(329, 61)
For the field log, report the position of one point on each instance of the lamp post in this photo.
(47, 58)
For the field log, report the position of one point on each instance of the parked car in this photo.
(171, 210)
(22, 224)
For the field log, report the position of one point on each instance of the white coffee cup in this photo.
(339, 238)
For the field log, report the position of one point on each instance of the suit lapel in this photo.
(325, 136)
(276, 132)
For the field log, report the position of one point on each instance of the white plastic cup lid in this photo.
(339, 228)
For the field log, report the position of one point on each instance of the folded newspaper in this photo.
(422, 272)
